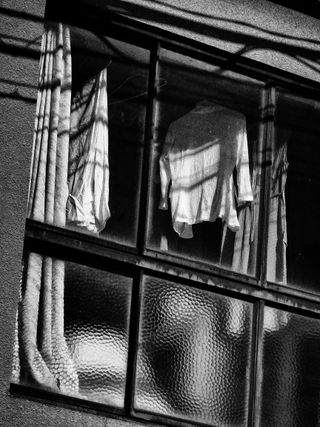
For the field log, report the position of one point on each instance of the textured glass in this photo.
(97, 307)
(207, 124)
(194, 354)
(290, 367)
(293, 249)
(127, 80)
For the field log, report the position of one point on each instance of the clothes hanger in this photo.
(164, 83)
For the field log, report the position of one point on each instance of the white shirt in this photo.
(88, 174)
(200, 153)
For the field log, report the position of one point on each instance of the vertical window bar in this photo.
(265, 157)
(256, 373)
(133, 343)
(146, 169)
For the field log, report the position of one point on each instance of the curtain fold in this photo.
(44, 355)
(239, 249)
(245, 247)
(277, 235)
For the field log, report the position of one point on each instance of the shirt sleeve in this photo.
(243, 171)
(165, 172)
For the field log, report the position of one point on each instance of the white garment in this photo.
(200, 153)
(277, 231)
(88, 179)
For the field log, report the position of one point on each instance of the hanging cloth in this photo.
(244, 241)
(201, 151)
(277, 233)
(239, 250)
(88, 176)
(44, 355)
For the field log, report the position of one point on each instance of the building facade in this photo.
(214, 316)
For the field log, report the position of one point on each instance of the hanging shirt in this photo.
(88, 172)
(200, 153)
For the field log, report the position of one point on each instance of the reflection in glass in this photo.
(291, 375)
(194, 354)
(293, 238)
(110, 118)
(205, 197)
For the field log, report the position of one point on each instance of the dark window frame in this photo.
(71, 245)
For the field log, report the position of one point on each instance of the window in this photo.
(179, 284)
(294, 184)
(196, 116)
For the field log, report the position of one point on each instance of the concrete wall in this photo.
(257, 29)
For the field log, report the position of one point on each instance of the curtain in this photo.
(239, 249)
(277, 234)
(69, 185)
(44, 355)
(241, 246)
(245, 247)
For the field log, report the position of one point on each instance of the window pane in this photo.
(291, 374)
(293, 248)
(73, 330)
(205, 194)
(194, 354)
(127, 74)
(97, 306)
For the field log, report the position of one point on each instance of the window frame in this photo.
(71, 245)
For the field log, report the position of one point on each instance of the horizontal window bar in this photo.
(49, 397)
(77, 247)
(42, 394)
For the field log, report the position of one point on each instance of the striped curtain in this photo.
(69, 186)
(44, 355)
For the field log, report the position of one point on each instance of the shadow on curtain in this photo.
(42, 355)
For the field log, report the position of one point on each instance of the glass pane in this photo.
(205, 194)
(97, 306)
(194, 354)
(74, 326)
(291, 377)
(127, 79)
(293, 250)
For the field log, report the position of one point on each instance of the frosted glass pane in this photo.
(194, 354)
(291, 373)
(96, 327)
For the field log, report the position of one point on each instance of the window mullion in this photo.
(256, 374)
(265, 150)
(133, 343)
(149, 129)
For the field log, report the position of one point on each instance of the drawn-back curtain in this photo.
(44, 355)
(63, 126)
(70, 163)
